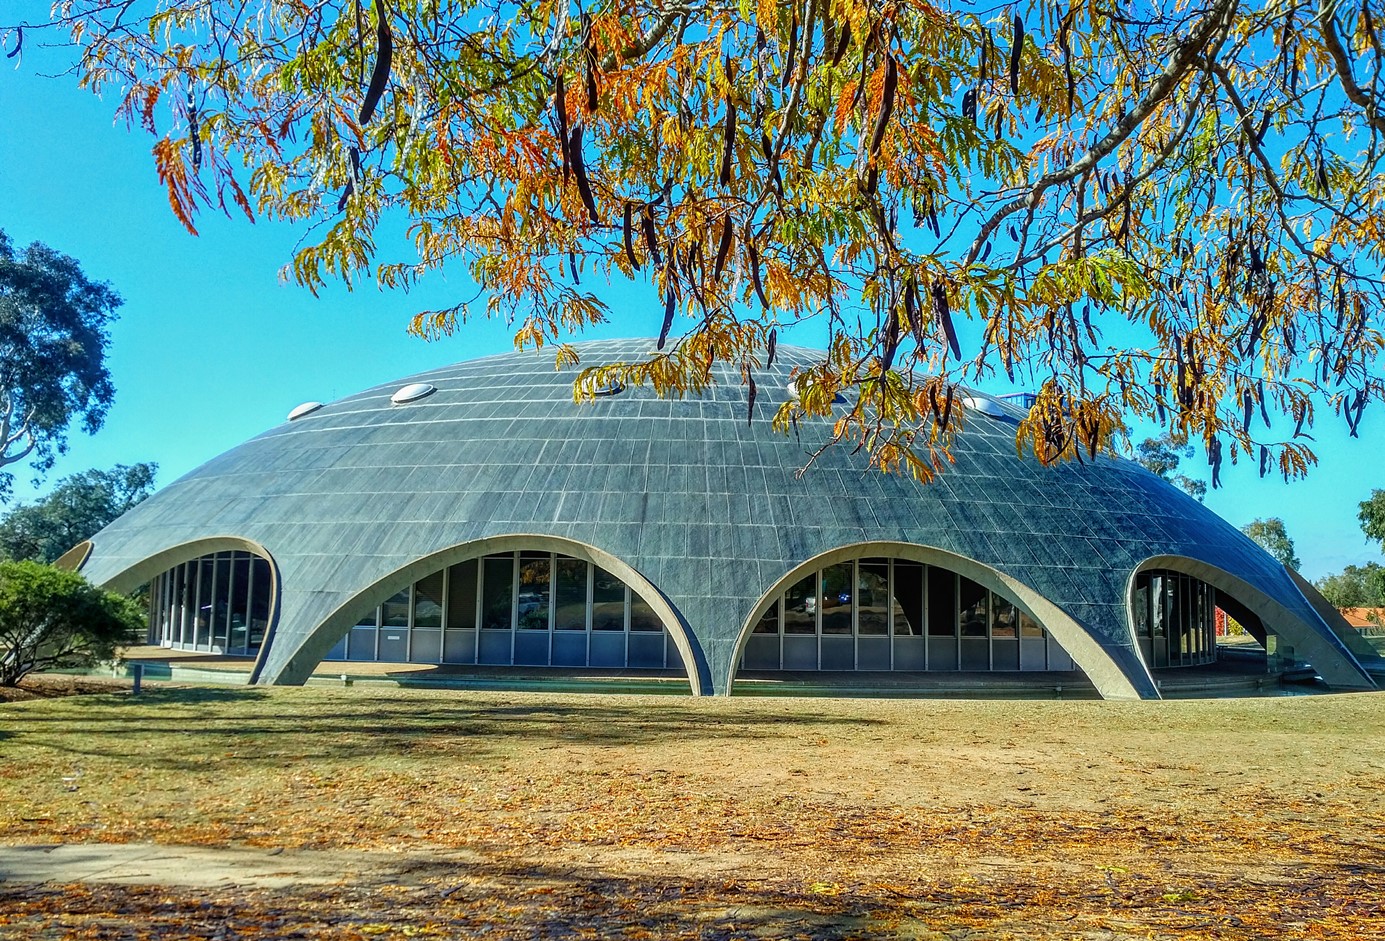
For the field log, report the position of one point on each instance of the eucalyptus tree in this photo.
(53, 336)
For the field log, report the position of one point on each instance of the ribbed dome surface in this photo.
(710, 509)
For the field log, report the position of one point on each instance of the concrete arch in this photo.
(130, 578)
(1329, 656)
(1106, 673)
(73, 559)
(330, 630)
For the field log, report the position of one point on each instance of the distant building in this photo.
(477, 515)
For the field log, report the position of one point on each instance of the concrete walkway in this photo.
(155, 864)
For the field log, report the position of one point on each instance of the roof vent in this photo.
(412, 393)
(985, 405)
(837, 399)
(307, 408)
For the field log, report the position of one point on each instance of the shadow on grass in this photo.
(503, 899)
(179, 728)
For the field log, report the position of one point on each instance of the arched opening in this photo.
(1183, 613)
(892, 614)
(1178, 619)
(523, 608)
(220, 602)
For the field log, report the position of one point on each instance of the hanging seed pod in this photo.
(969, 104)
(18, 43)
(986, 250)
(1159, 401)
(589, 53)
(1264, 126)
(792, 54)
(728, 143)
(1214, 459)
(750, 398)
(1067, 58)
(772, 346)
(911, 311)
(579, 173)
(1016, 50)
(947, 408)
(355, 157)
(890, 341)
(628, 236)
(1260, 397)
(983, 66)
(723, 248)
(651, 240)
(754, 257)
(572, 266)
(384, 55)
(560, 112)
(193, 134)
(882, 121)
(670, 305)
(1264, 460)
(1324, 186)
(843, 41)
(944, 315)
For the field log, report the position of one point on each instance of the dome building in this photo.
(476, 515)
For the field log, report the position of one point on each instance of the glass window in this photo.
(873, 597)
(206, 570)
(835, 599)
(1030, 627)
(221, 604)
(942, 602)
(1156, 611)
(973, 599)
(908, 590)
(570, 608)
(395, 611)
(534, 590)
(461, 596)
(608, 601)
(800, 607)
(428, 601)
(497, 592)
(769, 621)
(259, 601)
(642, 616)
(1005, 618)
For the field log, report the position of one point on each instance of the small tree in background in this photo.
(79, 507)
(51, 618)
(1372, 517)
(1161, 457)
(1274, 539)
(1356, 586)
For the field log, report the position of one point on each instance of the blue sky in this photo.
(212, 348)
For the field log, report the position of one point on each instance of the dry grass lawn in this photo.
(572, 817)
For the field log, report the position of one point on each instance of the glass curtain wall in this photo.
(889, 614)
(523, 608)
(218, 603)
(1175, 619)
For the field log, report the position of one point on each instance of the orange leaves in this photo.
(184, 190)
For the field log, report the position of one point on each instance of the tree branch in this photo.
(1327, 22)
(1189, 51)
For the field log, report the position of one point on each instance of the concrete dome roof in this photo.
(358, 497)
